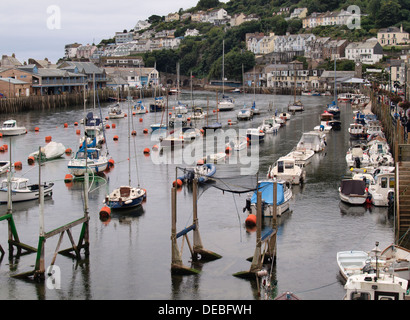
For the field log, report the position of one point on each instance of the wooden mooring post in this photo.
(267, 238)
(39, 270)
(197, 250)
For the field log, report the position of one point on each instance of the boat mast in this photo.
(335, 91)
(223, 68)
(129, 138)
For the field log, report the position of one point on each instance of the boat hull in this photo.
(125, 197)
(25, 195)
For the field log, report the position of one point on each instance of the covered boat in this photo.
(21, 190)
(353, 191)
(302, 156)
(283, 195)
(50, 151)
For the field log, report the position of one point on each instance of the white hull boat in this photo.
(312, 140)
(226, 104)
(255, 135)
(286, 169)
(95, 162)
(269, 126)
(4, 166)
(356, 157)
(295, 107)
(115, 112)
(245, 114)
(382, 192)
(302, 156)
(21, 190)
(10, 128)
(239, 143)
(125, 197)
(398, 260)
(356, 262)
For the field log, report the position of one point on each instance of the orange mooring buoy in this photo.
(6, 147)
(78, 131)
(48, 139)
(250, 220)
(155, 147)
(107, 126)
(105, 213)
(133, 132)
(115, 138)
(68, 177)
(68, 151)
(111, 163)
(177, 183)
(146, 151)
(18, 165)
(36, 129)
(145, 131)
(31, 160)
(76, 123)
(141, 119)
(65, 125)
(113, 125)
(1, 149)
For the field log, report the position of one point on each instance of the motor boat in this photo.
(382, 191)
(181, 108)
(245, 114)
(269, 125)
(353, 191)
(158, 105)
(239, 143)
(295, 106)
(94, 161)
(357, 131)
(397, 260)
(255, 135)
(283, 196)
(356, 157)
(355, 262)
(226, 103)
(198, 114)
(313, 140)
(115, 112)
(21, 190)
(139, 108)
(302, 156)
(10, 128)
(4, 166)
(286, 169)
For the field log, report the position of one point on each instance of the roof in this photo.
(86, 67)
(13, 81)
(339, 74)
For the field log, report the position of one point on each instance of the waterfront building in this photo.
(89, 69)
(10, 88)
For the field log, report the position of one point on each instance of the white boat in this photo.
(356, 262)
(245, 114)
(50, 151)
(174, 91)
(255, 135)
(177, 120)
(279, 120)
(353, 191)
(357, 131)
(324, 126)
(296, 106)
(21, 190)
(216, 157)
(356, 157)
(269, 125)
(115, 112)
(345, 97)
(226, 103)
(10, 128)
(382, 191)
(158, 126)
(284, 115)
(302, 156)
(239, 143)
(158, 105)
(379, 152)
(286, 169)
(4, 166)
(180, 108)
(283, 195)
(374, 128)
(312, 140)
(95, 161)
(397, 260)
(204, 172)
(139, 108)
(371, 287)
(198, 114)
(92, 122)
(255, 111)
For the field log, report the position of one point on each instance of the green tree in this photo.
(389, 13)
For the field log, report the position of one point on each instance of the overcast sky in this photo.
(41, 28)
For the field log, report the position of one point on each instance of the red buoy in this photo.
(36, 129)
(145, 131)
(113, 125)
(250, 220)
(68, 178)
(48, 138)
(133, 132)
(105, 213)
(146, 151)
(177, 183)
(111, 163)
(115, 138)
(68, 151)
(18, 165)
(31, 160)
(155, 147)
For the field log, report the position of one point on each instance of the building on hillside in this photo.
(121, 62)
(85, 52)
(368, 52)
(172, 17)
(141, 25)
(123, 37)
(218, 17)
(392, 36)
(42, 63)
(299, 13)
(70, 50)
(135, 77)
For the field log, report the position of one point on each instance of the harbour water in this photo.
(130, 255)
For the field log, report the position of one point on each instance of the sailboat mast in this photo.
(223, 67)
(129, 138)
(335, 91)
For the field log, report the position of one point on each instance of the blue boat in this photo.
(334, 109)
(125, 197)
(201, 172)
(284, 194)
(158, 105)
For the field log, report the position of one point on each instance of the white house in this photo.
(123, 37)
(141, 25)
(191, 33)
(218, 16)
(368, 52)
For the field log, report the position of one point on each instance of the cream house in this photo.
(392, 36)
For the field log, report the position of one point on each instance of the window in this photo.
(383, 183)
(360, 296)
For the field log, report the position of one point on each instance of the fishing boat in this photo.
(382, 191)
(21, 190)
(397, 260)
(158, 105)
(286, 169)
(126, 196)
(115, 112)
(374, 128)
(245, 114)
(283, 196)
(139, 108)
(312, 140)
(357, 131)
(345, 97)
(92, 122)
(353, 191)
(334, 109)
(239, 143)
(94, 161)
(93, 136)
(269, 125)
(255, 135)
(177, 119)
(10, 128)
(50, 151)
(4, 166)
(324, 126)
(181, 108)
(302, 156)
(355, 262)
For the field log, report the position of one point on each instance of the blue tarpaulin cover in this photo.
(266, 187)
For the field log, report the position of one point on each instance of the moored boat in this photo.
(94, 161)
(353, 191)
(10, 128)
(286, 169)
(21, 190)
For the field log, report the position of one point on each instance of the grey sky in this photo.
(24, 24)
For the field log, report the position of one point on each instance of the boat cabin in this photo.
(16, 184)
(9, 124)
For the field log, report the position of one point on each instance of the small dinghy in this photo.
(50, 151)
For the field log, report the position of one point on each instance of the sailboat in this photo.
(126, 196)
(213, 126)
(297, 104)
(226, 103)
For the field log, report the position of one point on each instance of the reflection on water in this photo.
(130, 254)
